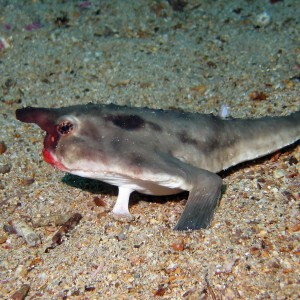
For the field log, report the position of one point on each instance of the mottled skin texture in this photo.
(156, 151)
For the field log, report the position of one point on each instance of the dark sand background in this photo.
(148, 53)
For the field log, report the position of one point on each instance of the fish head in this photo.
(70, 135)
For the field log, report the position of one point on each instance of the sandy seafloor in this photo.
(145, 53)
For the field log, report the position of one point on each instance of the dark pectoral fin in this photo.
(202, 201)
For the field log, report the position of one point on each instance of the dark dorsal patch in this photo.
(127, 122)
(154, 126)
(186, 139)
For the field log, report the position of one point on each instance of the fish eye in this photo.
(65, 127)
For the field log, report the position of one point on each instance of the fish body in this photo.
(157, 152)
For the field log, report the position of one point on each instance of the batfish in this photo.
(157, 152)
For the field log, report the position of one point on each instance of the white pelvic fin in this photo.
(120, 209)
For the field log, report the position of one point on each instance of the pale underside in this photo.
(157, 184)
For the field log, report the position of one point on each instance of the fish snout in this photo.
(43, 117)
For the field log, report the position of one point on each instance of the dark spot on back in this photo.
(127, 122)
(186, 139)
(154, 126)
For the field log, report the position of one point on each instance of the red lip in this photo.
(48, 157)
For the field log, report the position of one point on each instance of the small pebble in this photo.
(5, 168)
(3, 43)
(121, 237)
(27, 181)
(27, 232)
(89, 288)
(262, 20)
(99, 202)
(178, 245)
(293, 160)
(75, 293)
(101, 214)
(160, 291)
(296, 228)
(21, 271)
(263, 233)
(258, 96)
(59, 236)
(3, 238)
(278, 173)
(54, 220)
(21, 293)
(224, 111)
(9, 229)
(229, 294)
(42, 276)
(201, 89)
(228, 265)
(2, 147)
